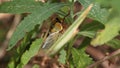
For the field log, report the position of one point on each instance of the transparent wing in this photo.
(50, 40)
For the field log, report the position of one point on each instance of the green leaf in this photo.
(111, 30)
(20, 6)
(80, 58)
(96, 12)
(104, 3)
(70, 33)
(90, 29)
(36, 66)
(92, 26)
(114, 43)
(62, 57)
(25, 42)
(19, 66)
(32, 20)
(11, 64)
(115, 5)
(89, 34)
(34, 48)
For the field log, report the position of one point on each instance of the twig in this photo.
(97, 55)
(16, 20)
(117, 52)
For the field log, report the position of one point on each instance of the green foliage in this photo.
(80, 58)
(89, 34)
(17, 53)
(96, 12)
(90, 29)
(92, 26)
(111, 30)
(62, 57)
(18, 7)
(34, 48)
(110, 3)
(37, 17)
(114, 43)
(35, 66)
(70, 33)
(101, 29)
(11, 64)
(115, 4)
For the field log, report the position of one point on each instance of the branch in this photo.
(115, 53)
(16, 20)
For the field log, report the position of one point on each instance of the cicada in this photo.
(53, 36)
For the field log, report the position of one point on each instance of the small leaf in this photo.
(19, 66)
(89, 34)
(20, 6)
(96, 12)
(32, 20)
(62, 57)
(111, 30)
(11, 64)
(92, 26)
(90, 29)
(34, 48)
(36, 66)
(80, 58)
(114, 43)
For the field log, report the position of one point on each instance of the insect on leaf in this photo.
(32, 20)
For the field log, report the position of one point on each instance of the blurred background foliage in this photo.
(99, 33)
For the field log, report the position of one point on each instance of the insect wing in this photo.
(50, 40)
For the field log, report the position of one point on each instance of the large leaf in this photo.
(96, 12)
(111, 30)
(20, 6)
(37, 17)
(34, 48)
(80, 58)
